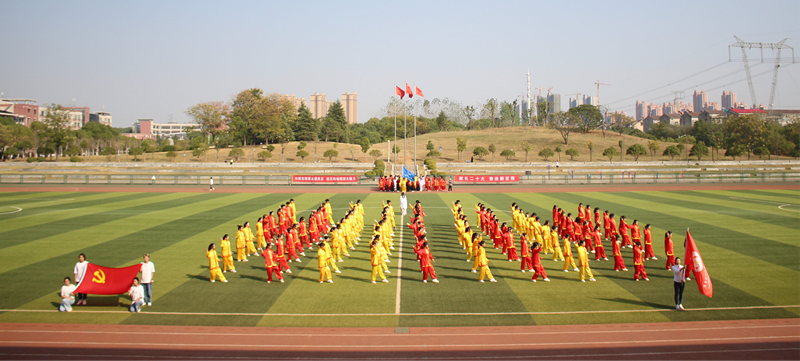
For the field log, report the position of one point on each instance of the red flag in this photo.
(695, 264)
(409, 92)
(399, 91)
(418, 91)
(100, 280)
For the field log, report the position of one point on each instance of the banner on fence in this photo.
(487, 178)
(324, 179)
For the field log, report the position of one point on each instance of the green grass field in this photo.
(749, 244)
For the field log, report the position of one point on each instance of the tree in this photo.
(508, 153)
(222, 141)
(564, 123)
(572, 153)
(687, 140)
(558, 150)
(199, 151)
(699, 150)
(591, 149)
(636, 151)
(72, 151)
(671, 151)
(508, 114)
(302, 145)
(212, 117)
(334, 126)
(527, 148)
(480, 152)
(747, 131)
(621, 144)
(680, 147)
(734, 151)
(492, 149)
(610, 152)
(57, 128)
(235, 153)
(461, 146)
(302, 154)
(264, 154)
(546, 153)
(761, 152)
(653, 146)
(491, 110)
(135, 152)
(330, 154)
(375, 153)
(621, 122)
(433, 154)
(365, 145)
(171, 155)
(305, 126)
(109, 152)
(543, 109)
(430, 146)
(587, 116)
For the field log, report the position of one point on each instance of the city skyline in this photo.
(154, 60)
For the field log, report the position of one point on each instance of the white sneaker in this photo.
(492, 280)
(385, 281)
(224, 281)
(511, 260)
(387, 271)
(233, 270)
(212, 281)
(331, 281)
(547, 280)
(351, 248)
(605, 259)
(290, 261)
(523, 271)
(390, 247)
(149, 304)
(655, 259)
(297, 260)
(625, 269)
(320, 282)
(688, 279)
(583, 280)
(474, 271)
(288, 271)
(566, 270)
(533, 280)
(481, 281)
(388, 261)
(269, 281)
(337, 271)
(281, 280)
(592, 251)
(373, 282)
(592, 279)
(646, 279)
(435, 280)
(677, 307)
(576, 269)
(637, 280)
(302, 254)
(424, 281)
(681, 306)
(467, 260)
(224, 271)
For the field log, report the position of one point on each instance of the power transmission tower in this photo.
(749, 45)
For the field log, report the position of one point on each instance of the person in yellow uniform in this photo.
(322, 262)
(390, 214)
(336, 244)
(483, 262)
(329, 251)
(468, 240)
(552, 238)
(569, 261)
(227, 255)
(294, 211)
(241, 245)
(476, 243)
(375, 258)
(213, 264)
(262, 241)
(248, 237)
(583, 259)
(329, 211)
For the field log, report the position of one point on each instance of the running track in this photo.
(748, 339)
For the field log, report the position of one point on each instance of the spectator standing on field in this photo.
(211, 184)
(147, 270)
(680, 282)
(80, 271)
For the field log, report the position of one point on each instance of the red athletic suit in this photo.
(607, 226)
(587, 236)
(270, 261)
(623, 231)
(303, 232)
(614, 231)
(638, 263)
(648, 245)
(508, 245)
(537, 264)
(425, 257)
(597, 219)
(497, 236)
(600, 251)
(272, 226)
(668, 248)
(282, 264)
(619, 263)
(527, 262)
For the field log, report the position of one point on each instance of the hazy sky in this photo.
(143, 59)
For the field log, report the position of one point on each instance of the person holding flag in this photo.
(694, 264)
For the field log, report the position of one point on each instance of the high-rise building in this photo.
(318, 105)
(78, 116)
(699, 99)
(573, 103)
(555, 102)
(102, 117)
(590, 100)
(294, 100)
(350, 105)
(641, 110)
(728, 100)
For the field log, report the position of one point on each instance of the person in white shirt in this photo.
(422, 184)
(147, 270)
(403, 204)
(211, 184)
(67, 297)
(137, 296)
(80, 271)
(680, 281)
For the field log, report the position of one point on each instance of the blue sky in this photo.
(152, 59)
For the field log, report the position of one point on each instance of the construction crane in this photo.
(598, 83)
(774, 46)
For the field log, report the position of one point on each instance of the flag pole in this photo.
(394, 165)
(405, 134)
(416, 171)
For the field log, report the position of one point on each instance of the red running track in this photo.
(744, 339)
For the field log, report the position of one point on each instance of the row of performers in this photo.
(402, 184)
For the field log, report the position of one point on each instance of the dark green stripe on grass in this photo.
(76, 205)
(16, 201)
(31, 282)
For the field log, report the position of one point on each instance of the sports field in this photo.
(749, 240)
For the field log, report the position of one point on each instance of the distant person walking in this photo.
(211, 184)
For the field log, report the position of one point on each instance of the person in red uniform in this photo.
(527, 262)
(280, 244)
(638, 262)
(606, 226)
(648, 244)
(597, 217)
(619, 263)
(426, 263)
(271, 225)
(636, 232)
(600, 251)
(613, 225)
(587, 235)
(271, 263)
(302, 230)
(669, 250)
(580, 210)
(556, 218)
(623, 231)
(537, 263)
(508, 244)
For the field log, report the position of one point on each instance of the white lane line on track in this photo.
(399, 268)
(475, 357)
(448, 334)
(571, 344)
(544, 313)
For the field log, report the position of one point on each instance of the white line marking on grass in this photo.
(399, 268)
(18, 210)
(781, 205)
(427, 334)
(543, 313)
(474, 357)
(340, 346)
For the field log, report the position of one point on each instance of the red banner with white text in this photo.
(324, 179)
(486, 178)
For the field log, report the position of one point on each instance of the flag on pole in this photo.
(695, 264)
(409, 92)
(418, 91)
(100, 280)
(399, 91)
(407, 174)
